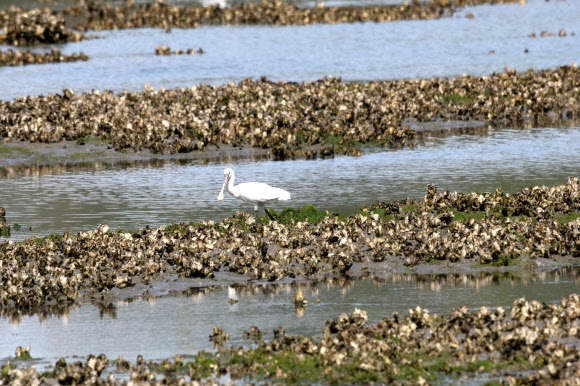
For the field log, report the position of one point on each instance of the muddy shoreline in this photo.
(381, 271)
(15, 153)
(24, 153)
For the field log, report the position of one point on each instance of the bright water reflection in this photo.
(160, 193)
(448, 47)
(169, 325)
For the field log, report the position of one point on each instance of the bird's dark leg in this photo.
(268, 213)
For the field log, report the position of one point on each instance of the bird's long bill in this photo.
(221, 195)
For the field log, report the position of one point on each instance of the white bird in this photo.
(232, 295)
(206, 3)
(255, 193)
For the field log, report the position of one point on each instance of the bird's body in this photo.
(256, 193)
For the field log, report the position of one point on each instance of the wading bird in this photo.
(255, 193)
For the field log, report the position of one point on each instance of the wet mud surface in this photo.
(25, 153)
(381, 271)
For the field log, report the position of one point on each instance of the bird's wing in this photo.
(260, 192)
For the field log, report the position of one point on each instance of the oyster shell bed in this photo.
(166, 50)
(12, 57)
(46, 26)
(33, 27)
(292, 119)
(538, 342)
(63, 269)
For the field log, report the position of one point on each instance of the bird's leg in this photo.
(268, 213)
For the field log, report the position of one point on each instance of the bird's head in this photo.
(228, 174)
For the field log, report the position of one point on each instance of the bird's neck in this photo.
(231, 187)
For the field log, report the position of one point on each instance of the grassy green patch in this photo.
(166, 367)
(351, 373)
(331, 139)
(308, 212)
(49, 375)
(505, 260)
(484, 365)
(295, 367)
(77, 156)
(410, 207)
(5, 230)
(175, 229)
(203, 365)
(11, 150)
(7, 367)
(380, 211)
(24, 356)
(500, 211)
(458, 98)
(83, 155)
(292, 367)
(300, 136)
(40, 240)
(462, 216)
(565, 218)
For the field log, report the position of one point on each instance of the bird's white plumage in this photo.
(255, 193)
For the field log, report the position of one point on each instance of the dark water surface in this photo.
(496, 37)
(73, 199)
(181, 324)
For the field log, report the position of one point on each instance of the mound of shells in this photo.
(166, 50)
(60, 270)
(4, 229)
(290, 117)
(12, 57)
(530, 343)
(277, 12)
(33, 27)
(46, 26)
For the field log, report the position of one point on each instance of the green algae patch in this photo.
(23, 353)
(41, 240)
(299, 367)
(7, 368)
(13, 150)
(565, 218)
(458, 98)
(203, 366)
(5, 230)
(177, 229)
(307, 213)
(506, 260)
(25, 356)
(286, 365)
(331, 139)
(462, 216)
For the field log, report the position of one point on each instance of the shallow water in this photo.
(126, 60)
(131, 195)
(161, 328)
(72, 199)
